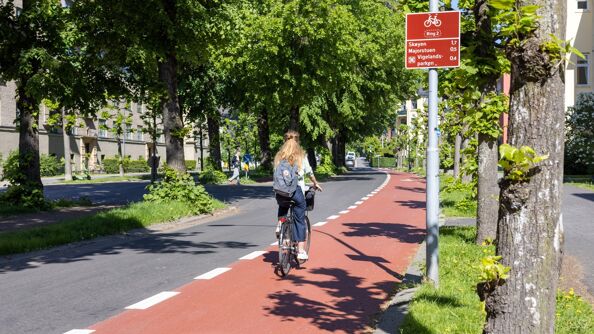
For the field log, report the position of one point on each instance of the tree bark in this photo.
(311, 156)
(214, 140)
(29, 163)
(201, 148)
(172, 118)
(530, 231)
(457, 146)
(488, 189)
(121, 162)
(66, 144)
(294, 118)
(264, 140)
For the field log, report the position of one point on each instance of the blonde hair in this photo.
(291, 150)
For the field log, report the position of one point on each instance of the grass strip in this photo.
(451, 204)
(583, 185)
(109, 222)
(455, 307)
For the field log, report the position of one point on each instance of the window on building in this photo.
(414, 103)
(102, 131)
(583, 70)
(128, 132)
(139, 108)
(18, 11)
(139, 134)
(582, 4)
(161, 138)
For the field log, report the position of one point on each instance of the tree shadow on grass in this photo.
(352, 309)
(138, 240)
(459, 232)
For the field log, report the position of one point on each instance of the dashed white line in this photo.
(365, 198)
(320, 224)
(80, 331)
(352, 207)
(274, 243)
(343, 212)
(332, 217)
(252, 255)
(359, 202)
(156, 299)
(213, 273)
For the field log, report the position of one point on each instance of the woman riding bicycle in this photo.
(292, 152)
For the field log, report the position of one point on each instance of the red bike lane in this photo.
(355, 260)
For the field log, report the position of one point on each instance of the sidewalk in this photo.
(356, 258)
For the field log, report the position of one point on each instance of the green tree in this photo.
(121, 122)
(579, 140)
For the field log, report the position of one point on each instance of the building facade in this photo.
(90, 142)
(580, 31)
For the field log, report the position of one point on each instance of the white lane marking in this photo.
(332, 217)
(343, 212)
(374, 192)
(253, 255)
(213, 273)
(80, 331)
(274, 243)
(154, 300)
(370, 195)
(320, 224)
(365, 198)
(352, 207)
(359, 202)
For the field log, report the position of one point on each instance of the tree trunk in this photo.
(29, 163)
(294, 118)
(311, 156)
(457, 146)
(214, 140)
(530, 231)
(201, 148)
(264, 140)
(121, 162)
(172, 117)
(488, 189)
(66, 144)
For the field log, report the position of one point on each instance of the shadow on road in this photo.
(412, 204)
(351, 310)
(137, 242)
(587, 196)
(400, 232)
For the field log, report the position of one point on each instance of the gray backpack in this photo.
(285, 179)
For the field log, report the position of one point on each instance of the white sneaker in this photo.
(302, 255)
(278, 229)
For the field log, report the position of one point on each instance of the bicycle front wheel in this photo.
(285, 243)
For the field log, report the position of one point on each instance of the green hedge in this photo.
(190, 164)
(383, 162)
(110, 166)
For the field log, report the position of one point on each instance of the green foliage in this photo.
(21, 192)
(458, 198)
(111, 165)
(491, 270)
(50, 165)
(516, 22)
(579, 137)
(574, 314)
(384, 162)
(211, 176)
(454, 307)
(190, 164)
(326, 167)
(517, 163)
(178, 186)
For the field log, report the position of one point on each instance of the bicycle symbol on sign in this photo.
(432, 20)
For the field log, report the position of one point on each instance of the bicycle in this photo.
(287, 246)
(432, 20)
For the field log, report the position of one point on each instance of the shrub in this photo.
(111, 166)
(579, 138)
(190, 164)
(211, 176)
(326, 166)
(21, 192)
(383, 162)
(177, 186)
(50, 165)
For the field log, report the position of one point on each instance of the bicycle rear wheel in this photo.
(307, 239)
(285, 243)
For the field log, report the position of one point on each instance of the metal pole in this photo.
(432, 175)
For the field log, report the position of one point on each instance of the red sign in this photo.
(433, 40)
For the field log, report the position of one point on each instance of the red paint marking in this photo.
(353, 266)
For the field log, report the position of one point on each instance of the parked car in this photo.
(350, 156)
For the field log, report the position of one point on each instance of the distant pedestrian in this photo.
(235, 164)
(247, 159)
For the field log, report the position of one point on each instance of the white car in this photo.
(350, 156)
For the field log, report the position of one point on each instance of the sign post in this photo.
(432, 41)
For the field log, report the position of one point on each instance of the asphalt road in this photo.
(75, 287)
(578, 223)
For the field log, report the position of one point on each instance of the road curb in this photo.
(393, 317)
